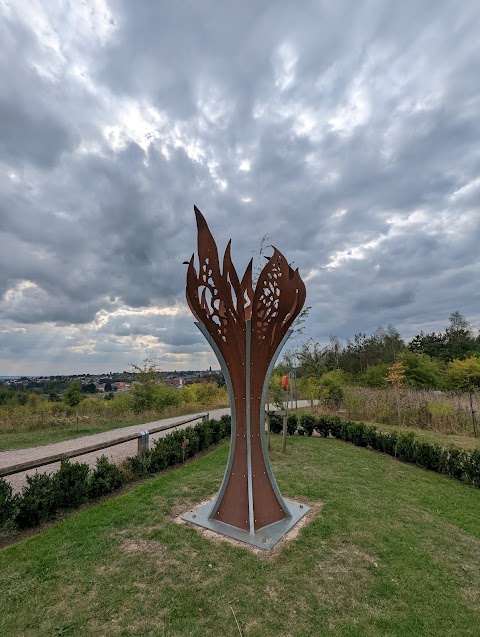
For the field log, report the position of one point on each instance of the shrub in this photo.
(174, 448)
(159, 458)
(451, 463)
(472, 468)
(328, 426)
(141, 465)
(372, 437)
(204, 435)
(193, 440)
(71, 484)
(358, 434)
(387, 442)
(37, 502)
(427, 455)
(215, 431)
(292, 424)
(226, 421)
(307, 422)
(405, 447)
(276, 424)
(7, 501)
(105, 478)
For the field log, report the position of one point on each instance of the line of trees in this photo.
(447, 360)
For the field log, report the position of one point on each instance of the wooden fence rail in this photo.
(142, 437)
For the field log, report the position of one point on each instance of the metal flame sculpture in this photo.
(246, 327)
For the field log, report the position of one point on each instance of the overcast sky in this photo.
(348, 132)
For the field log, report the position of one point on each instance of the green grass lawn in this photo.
(395, 551)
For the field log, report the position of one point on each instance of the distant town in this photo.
(106, 382)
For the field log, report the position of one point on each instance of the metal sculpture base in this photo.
(264, 538)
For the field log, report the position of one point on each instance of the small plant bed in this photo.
(395, 551)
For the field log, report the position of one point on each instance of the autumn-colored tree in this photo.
(396, 377)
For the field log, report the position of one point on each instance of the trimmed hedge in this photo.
(449, 461)
(73, 484)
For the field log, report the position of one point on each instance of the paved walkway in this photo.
(114, 454)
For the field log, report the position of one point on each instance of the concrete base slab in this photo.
(265, 538)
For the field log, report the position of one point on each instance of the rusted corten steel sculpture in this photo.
(246, 327)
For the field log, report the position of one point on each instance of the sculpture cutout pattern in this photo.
(246, 326)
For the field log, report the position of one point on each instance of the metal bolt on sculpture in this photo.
(246, 328)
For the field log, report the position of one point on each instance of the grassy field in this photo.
(394, 551)
(32, 438)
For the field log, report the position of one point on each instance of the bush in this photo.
(159, 458)
(71, 484)
(37, 502)
(427, 455)
(307, 422)
(215, 431)
(451, 463)
(141, 465)
(7, 501)
(328, 426)
(472, 467)
(193, 440)
(204, 435)
(174, 448)
(405, 447)
(291, 424)
(276, 424)
(226, 421)
(105, 478)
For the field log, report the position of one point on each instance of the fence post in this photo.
(143, 442)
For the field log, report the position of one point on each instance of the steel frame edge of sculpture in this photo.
(246, 328)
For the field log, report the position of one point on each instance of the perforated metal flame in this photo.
(246, 327)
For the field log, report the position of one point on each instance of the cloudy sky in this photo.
(348, 132)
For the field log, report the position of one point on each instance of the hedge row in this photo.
(449, 461)
(452, 462)
(74, 483)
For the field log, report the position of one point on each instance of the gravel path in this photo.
(114, 454)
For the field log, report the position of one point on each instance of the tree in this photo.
(459, 326)
(73, 394)
(310, 385)
(312, 358)
(331, 387)
(457, 341)
(421, 371)
(375, 375)
(433, 345)
(463, 373)
(396, 376)
(148, 393)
